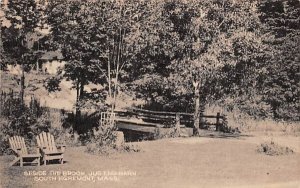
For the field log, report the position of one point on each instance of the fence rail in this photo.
(177, 117)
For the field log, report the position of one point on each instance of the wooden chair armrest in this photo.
(61, 146)
(41, 149)
(16, 151)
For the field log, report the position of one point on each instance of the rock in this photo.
(120, 141)
(186, 132)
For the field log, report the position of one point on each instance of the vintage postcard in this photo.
(149, 93)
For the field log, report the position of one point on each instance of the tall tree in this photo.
(196, 40)
(100, 41)
(281, 82)
(74, 31)
(24, 17)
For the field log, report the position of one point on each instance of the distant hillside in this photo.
(64, 99)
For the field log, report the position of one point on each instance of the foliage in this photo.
(21, 34)
(104, 138)
(281, 80)
(52, 84)
(176, 55)
(173, 53)
(105, 141)
(23, 121)
(274, 149)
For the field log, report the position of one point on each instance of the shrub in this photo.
(105, 140)
(171, 132)
(21, 120)
(52, 84)
(3, 137)
(273, 149)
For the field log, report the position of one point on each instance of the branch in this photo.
(98, 66)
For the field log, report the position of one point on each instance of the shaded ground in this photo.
(180, 162)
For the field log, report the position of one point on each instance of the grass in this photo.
(177, 162)
(246, 123)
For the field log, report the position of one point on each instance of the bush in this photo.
(22, 121)
(105, 140)
(52, 84)
(274, 149)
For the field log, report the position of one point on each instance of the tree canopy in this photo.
(177, 55)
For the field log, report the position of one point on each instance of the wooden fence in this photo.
(178, 118)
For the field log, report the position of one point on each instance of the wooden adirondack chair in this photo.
(17, 144)
(48, 148)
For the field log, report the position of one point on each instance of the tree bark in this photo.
(81, 90)
(37, 66)
(22, 83)
(77, 110)
(197, 108)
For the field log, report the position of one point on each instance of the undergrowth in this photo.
(273, 149)
(106, 140)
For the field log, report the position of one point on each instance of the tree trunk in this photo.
(197, 108)
(77, 110)
(1, 56)
(81, 90)
(22, 83)
(37, 66)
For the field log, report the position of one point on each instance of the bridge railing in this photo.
(179, 118)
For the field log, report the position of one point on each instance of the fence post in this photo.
(218, 122)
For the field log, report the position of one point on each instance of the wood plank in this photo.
(160, 112)
(139, 122)
(24, 146)
(15, 142)
(18, 143)
(49, 142)
(50, 157)
(145, 129)
(38, 141)
(41, 140)
(54, 149)
(11, 143)
(44, 138)
(14, 161)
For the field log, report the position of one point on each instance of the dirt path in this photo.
(180, 162)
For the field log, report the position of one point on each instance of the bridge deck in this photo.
(139, 125)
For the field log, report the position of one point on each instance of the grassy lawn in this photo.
(179, 162)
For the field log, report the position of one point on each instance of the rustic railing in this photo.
(179, 118)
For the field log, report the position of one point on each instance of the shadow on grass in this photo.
(13, 176)
(214, 134)
(54, 163)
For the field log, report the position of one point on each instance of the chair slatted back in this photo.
(17, 144)
(46, 140)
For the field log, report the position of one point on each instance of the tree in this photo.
(2, 57)
(197, 41)
(281, 81)
(74, 31)
(24, 17)
(101, 41)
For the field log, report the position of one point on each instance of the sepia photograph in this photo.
(150, 93)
